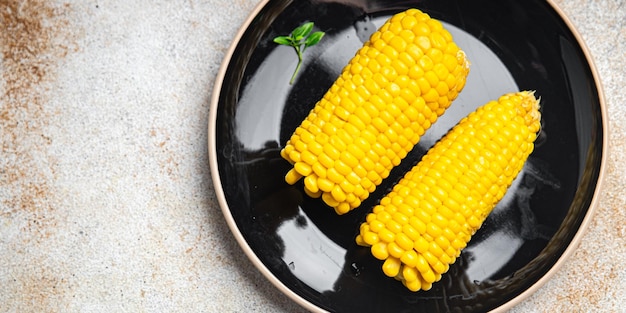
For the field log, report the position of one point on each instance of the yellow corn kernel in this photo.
(421, 264)
(413, 285)
(370, 238)
(328, 198)
(393, 226)
(409, 273)
(409, 258)
(338, 193)
(303, 168)
(426, 285)
(310, 183)
(386, 235)
(391, 266)
(420, 245)
(395, 250)
(444, 215)
(313, 194)
(379, 250)
(404, 77)
(292, 176)
(325, 185)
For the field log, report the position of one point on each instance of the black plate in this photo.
(309, 252)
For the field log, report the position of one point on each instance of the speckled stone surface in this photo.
(106, 200)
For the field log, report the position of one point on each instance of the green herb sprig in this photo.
(300, 39)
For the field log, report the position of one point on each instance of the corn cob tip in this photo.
(529, 102)
(460, 55)
(534, 106)
(528, 108)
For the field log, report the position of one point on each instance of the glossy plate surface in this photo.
(309, 252)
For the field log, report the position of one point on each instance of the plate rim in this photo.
(256, 261)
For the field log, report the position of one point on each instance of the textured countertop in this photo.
(106, 200)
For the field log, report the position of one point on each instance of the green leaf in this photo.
(283, 40)
(302, 31)
(301, 35)
(313, 39)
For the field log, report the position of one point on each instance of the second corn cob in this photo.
(422, 225)
(390, 93)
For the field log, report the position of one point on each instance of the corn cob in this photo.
(395, 87)
(422, 225)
